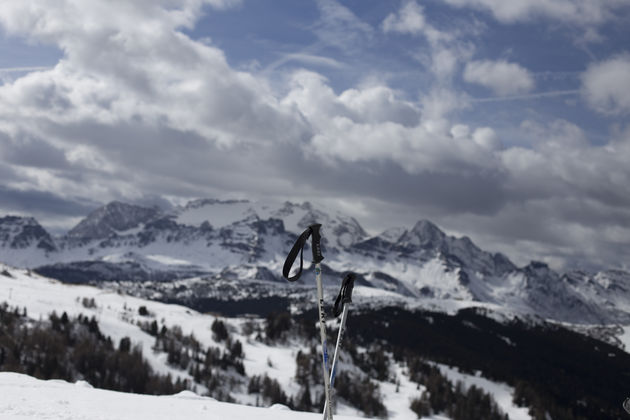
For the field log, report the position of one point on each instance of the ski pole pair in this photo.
(345, 296)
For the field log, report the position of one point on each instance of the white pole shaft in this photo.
(342, 329)
(322, 333)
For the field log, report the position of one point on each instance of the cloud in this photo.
(115, 70)
(130, 94)
(446, 49)
(38, 202)
(439, 103)
(562, 164)
(372, 125)
(445, 52)
(583, 12)
(410, 19)
(606, 85)
(503, 77)
(136, 109)
(444, 63)
(380, 104)
(487, 137)
(566, 232)
(339, 27)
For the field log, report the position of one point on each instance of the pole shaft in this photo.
(342, 329)
(322, 333)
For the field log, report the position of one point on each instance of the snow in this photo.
(218, 214)
(431, 268)
(398, 401)
(500, 392)
(433, 274)
(130, 231)
(625, 338)
(277, 362)
(117, 315)
(25, 257)
(292, 216)
(166, 260)
(393, 234)
(24, 398)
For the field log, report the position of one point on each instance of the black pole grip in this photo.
(348, 284)
(316, 245)
(345, 294)
(298, 248)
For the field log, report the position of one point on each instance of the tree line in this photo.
(74, 348)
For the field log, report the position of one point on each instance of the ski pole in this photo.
(317, 259)
(344, 298)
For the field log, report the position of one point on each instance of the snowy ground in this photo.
(117, 315)
(502, 393)
(25, 398)
(625, 338)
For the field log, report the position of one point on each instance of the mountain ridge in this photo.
(211, 238)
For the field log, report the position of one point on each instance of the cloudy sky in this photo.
(505, 121)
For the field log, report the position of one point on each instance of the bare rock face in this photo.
(111, 219)
(24, 232)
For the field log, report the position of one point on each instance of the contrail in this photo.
(23, 69)
(528, 96)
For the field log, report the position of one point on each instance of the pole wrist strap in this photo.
(298, 247)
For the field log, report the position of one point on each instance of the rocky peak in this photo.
(392, 235)
(424, 235)
(502, 263)
(23, 232)
(111, 219)
(576, 278)
(537, 267)
(613, 280)
(541, 277)
(427, 230)
(269, 227)
(348, 231)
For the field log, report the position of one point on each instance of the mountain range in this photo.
(216, 250)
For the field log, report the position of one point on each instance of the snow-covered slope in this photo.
(239, 243)
(22, 397)
(502, 393)
(25, 398)
(118, 317)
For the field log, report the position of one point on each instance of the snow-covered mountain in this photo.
(236, 249)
